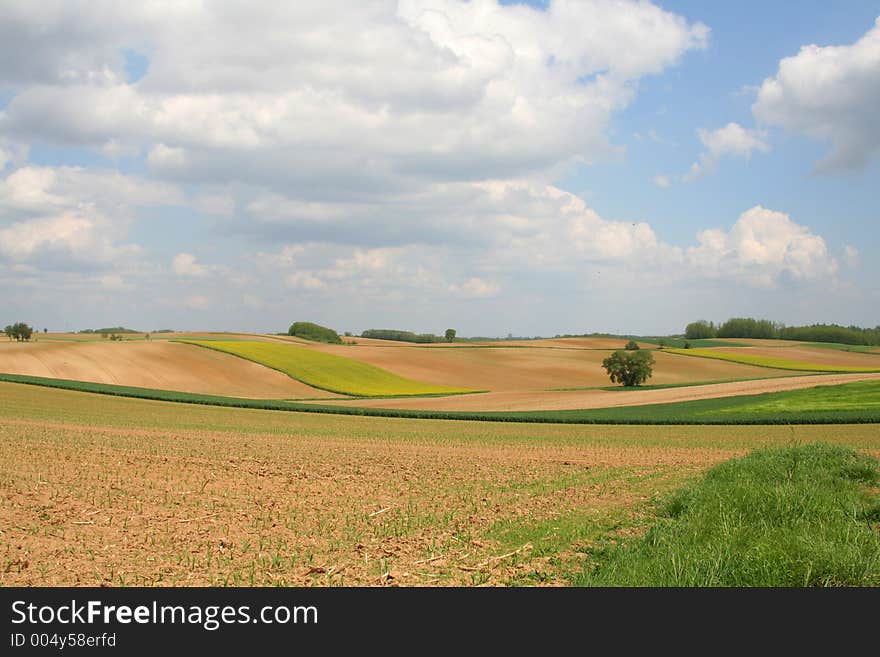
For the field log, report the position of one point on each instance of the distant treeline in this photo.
(747, 327)
(402, 336)
(112, 329)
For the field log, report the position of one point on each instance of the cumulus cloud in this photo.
(369, 96)
(662, 181)
(829, 93)
(389, 153)
(851, 256)
(763, 248)
(475, 287)
(197, 302)
(731, 140)
(508, 229)
(72, 218)
(184, 264)
(304, 280)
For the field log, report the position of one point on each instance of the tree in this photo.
(450, 335)
(9, 331)
(19, 331)
(700, 330)
(314, 332)
(630, 369)
(632, 346)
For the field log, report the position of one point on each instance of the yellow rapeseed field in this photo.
(327, 371)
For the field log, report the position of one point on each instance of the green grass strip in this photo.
(695, 343)
(767, 361)
(726, 410)
(796, 516)
(664, 386)
(325, 371)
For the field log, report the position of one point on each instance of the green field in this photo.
(678, 343)
(109, 491)
(327, 371)
(765, 361)
(796, 516)
(851, 403)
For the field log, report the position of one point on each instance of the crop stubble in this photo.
(121, 491)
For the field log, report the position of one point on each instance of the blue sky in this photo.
(526, 168)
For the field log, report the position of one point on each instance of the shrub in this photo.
(314, 332)
(632, 346)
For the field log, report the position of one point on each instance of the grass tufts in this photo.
(795, 516)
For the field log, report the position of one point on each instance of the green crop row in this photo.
(852, 403)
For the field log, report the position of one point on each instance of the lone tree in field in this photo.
(450, 335)
(629, 368)
(632, 346)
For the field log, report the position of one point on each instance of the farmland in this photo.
(800, 359)
(153, 364)
(327, 371)
(106, 490)
(533, 367)
(534, 483)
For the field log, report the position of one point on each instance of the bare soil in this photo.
(152, 364)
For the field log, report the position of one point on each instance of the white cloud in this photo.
(851, 256)
(166, 159)
(732, 139)
(762, 248)
(502, 230)
(197, 302)
(305, 280)
(113, 282)
(218, 204)
(184, 264)
(829, 93)
(662, 181)
(476, 288)
(73, 218)
(318, 97)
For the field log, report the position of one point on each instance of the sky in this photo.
(534, 169)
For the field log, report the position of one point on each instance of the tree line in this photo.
(747, 327)
(408, 336)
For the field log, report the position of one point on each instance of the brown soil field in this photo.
(193, 335)
(572, 343)
(547, 343)
(582, 399)
(501, 369)
(815, 355)
(152, 364)
(105, 491)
